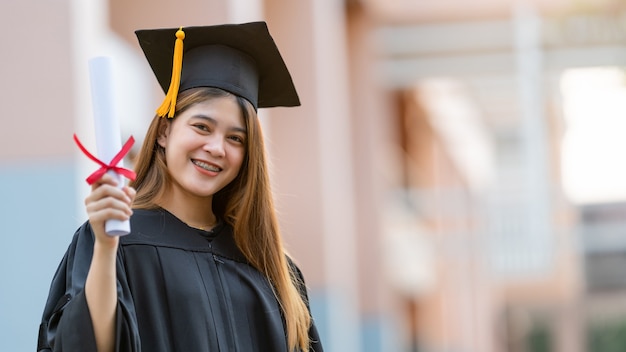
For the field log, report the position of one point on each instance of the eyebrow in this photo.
(214, 121)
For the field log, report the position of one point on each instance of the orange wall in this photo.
(37, 90)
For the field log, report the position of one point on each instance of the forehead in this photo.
(224, 110)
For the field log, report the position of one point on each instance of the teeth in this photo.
(206, 166)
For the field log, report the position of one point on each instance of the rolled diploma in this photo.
(107, 128)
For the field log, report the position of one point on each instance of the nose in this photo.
(215, 146)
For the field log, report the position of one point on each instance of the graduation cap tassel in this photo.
(169, 103)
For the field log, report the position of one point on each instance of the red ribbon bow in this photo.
(112, 165)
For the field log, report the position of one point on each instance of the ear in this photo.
(163, 131)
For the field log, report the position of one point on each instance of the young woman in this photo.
(204, 268)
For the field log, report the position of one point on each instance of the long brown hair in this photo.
(246, 204)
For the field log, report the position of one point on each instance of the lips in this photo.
(206, 166)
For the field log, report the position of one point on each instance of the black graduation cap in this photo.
(240, 58)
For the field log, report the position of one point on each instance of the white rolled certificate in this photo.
(107, 128)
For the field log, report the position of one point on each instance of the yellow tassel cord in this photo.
(168, 106)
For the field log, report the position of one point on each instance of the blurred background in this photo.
(454, 180)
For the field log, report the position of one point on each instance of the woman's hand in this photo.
(107, 201)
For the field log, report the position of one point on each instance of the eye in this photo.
(201, 127)
(237, 139)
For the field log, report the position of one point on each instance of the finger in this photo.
(103, 215)
(130, 193)
(109, 203)
(107, 190)
(100, 217)
(106, 179)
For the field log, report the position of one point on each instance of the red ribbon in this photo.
(112, 165)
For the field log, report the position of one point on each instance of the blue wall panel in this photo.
(37, 220)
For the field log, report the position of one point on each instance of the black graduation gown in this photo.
(179, 289)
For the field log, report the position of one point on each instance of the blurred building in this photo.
(419, 184)
(482, 111)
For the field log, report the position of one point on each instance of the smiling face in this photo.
(205, 146)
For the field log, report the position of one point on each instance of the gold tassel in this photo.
(168, 106)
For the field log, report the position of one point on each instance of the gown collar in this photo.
(158, 227)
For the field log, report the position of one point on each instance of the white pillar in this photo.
(335, 153)
(534, 143)
(88, 29)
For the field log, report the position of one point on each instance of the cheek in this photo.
(174, 153)
(238, 160)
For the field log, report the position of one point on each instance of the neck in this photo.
(194, 211)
